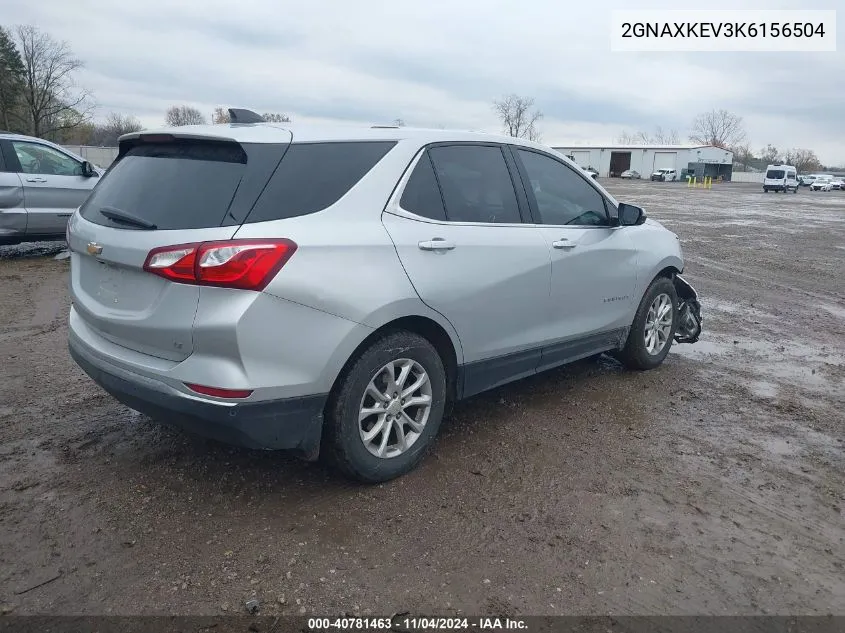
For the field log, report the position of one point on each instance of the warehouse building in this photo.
(695, 160)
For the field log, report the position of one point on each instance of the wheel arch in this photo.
(440, 335)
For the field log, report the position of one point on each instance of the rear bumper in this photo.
(293, 423)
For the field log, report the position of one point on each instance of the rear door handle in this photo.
(36, 179)
(564, 243)
(437, 244)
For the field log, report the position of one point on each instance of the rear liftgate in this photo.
(689, 312)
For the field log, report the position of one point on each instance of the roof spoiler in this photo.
(239, 115)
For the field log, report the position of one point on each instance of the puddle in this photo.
(794, 364)
(834, 310)
(779, 446)
(763, 389)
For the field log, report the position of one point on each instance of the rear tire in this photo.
(372, 435)
(650, 322)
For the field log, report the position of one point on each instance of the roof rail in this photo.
(240, 115)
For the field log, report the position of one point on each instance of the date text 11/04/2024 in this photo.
(407, 623)
(694, 30)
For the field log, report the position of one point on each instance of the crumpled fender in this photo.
(689, 312)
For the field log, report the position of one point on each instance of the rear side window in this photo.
(476, 184)
(175, 185)
(422, 195)
(313, 176)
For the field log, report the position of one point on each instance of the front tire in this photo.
(653, 329)
(386, 409)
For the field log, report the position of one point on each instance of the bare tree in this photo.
(275, 117)
(220, 116)
(52, 101)
(660, 137)
(668, 137)
(183, 115)
(804, 160)
(719, 128)
(115, 126)
(770, 154)
(517, 116)
(742, 157)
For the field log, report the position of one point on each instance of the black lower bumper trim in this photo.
(293, 423)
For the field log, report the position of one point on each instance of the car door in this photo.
(458, 229)
(53, 185)
(12, 211)
(593, 263)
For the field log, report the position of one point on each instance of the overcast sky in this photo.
(437, 63)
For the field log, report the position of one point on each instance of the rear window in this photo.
(313, 176)
(175, 185)
(775, 174)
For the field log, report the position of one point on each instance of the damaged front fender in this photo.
(689, 312)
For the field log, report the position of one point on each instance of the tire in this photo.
(765, 190)
(344, 446)
(635, 354)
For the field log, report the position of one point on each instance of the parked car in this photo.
(630, 173)
(591, 172)
(780, 178)
(249, 283)
(666, 175)
(806, 180)
(41, 185)
(822, 183)
(837, 184)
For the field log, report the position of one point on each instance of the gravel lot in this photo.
(712, 485)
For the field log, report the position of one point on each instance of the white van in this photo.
(780, 178)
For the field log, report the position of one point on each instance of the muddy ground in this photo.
(712, 485)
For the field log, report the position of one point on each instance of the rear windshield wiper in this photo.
(118, 215)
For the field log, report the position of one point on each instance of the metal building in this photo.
(612, 160)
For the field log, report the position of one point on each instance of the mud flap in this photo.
(689, 312)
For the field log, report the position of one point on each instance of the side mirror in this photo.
(629, 215)
(88, 170)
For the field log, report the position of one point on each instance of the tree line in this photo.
(717, 127)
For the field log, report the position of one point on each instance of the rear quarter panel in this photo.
(346, 264)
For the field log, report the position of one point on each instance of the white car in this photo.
(822, 183)
(666, 175)
(838, 184)
(630, 173)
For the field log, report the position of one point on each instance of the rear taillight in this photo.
(247, 264)
(218, 392)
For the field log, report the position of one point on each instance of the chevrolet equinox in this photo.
(329, 290)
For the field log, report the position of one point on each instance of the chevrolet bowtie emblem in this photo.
(93, 248)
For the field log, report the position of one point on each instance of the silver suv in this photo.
(331, 290)
(41, 185)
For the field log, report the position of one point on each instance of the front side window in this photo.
(563, 197)
(476, 184)
(40, 159)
